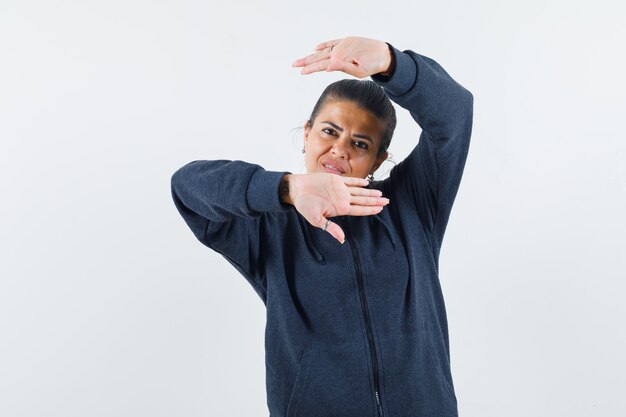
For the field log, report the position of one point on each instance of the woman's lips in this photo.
(330, 169)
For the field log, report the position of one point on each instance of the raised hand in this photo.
(359, 57)
(318, 196)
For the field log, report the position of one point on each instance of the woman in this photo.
(355, 329)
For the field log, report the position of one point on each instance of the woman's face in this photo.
(345, 137)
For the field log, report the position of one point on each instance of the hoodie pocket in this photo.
(332, 381)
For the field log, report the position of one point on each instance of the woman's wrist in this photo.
(392, 63)
(284, 188)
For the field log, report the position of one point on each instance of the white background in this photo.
(109, 306)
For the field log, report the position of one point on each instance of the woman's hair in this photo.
(366, 94)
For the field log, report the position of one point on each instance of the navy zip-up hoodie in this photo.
(359, 329)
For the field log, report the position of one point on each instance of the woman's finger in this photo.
(315, 66)
(311, 58)
(369, 192)
(354, 180)
(332, 228)
(336, 231)
(327, 44)
(364, 210)
(369, 201)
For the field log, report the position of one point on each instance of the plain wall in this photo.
(109, 306)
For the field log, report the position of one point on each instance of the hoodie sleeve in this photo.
(222, 202)
(427, 180)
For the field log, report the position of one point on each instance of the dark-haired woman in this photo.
(347, 266)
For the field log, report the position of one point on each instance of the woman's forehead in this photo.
(350, 114)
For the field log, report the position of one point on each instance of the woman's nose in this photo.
(340, 149)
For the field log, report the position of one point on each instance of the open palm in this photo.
(357, 56)
(318, 196)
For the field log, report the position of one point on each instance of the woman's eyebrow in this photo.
(356, 135)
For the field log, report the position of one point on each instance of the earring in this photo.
(370, 177)
(302, 150)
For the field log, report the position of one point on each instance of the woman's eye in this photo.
(359, 144)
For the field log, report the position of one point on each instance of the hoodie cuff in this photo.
(403, 76)
(262, 193)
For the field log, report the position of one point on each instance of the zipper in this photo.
(368, 323)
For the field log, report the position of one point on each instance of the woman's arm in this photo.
(210, 193)
(222, 202)
(439, 104)
(430, 176)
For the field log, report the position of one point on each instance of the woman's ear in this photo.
(307, 129)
